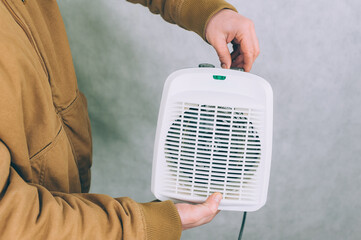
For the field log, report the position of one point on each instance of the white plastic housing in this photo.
(214, 134)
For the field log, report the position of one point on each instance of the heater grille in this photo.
(211, 148)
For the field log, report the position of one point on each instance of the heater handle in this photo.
(237, 69)
(208, 65)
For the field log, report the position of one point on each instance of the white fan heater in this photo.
(214, 134)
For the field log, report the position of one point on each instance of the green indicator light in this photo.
(219, 77)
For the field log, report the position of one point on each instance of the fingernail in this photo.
(224, 65)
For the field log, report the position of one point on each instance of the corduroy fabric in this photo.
(152, 212)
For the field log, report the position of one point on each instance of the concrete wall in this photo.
(311, 55)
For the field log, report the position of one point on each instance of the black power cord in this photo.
(242, 226)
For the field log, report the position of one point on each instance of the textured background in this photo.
(311, 55)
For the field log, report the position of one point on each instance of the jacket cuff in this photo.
(162, 220)
(194, 15)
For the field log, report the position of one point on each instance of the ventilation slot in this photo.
(214, 149)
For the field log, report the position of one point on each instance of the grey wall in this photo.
(311, 55)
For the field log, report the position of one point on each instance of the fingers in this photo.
(227, 26)
(199, 214)
(207, 210)
(223, 53)
(236, 52)
(248, 61)
(213, 201)
(244, 56)
(238, 62)
(255, 41)
(249, 46)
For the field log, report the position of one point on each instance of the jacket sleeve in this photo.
(192, 15)
(30, 211)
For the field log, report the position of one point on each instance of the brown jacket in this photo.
(45, 140)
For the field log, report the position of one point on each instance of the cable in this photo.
(242, 226)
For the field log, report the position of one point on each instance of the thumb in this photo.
(223, 53)
(213, 201)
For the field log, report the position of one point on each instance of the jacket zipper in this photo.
(29, 36)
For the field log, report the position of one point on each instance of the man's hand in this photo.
(196, 215)
(227, 26)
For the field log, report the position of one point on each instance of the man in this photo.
(45, 140)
